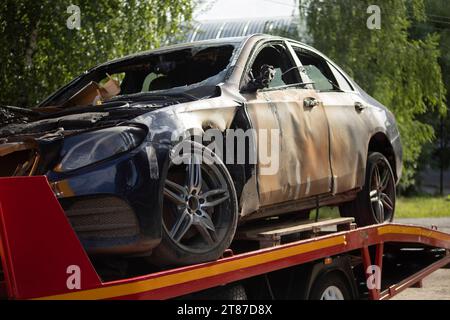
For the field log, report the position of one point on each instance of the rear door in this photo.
(344, 110)
(302, 147)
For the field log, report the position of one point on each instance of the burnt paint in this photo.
(323, 149)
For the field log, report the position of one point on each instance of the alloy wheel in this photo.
(382, 192)
(195, 198)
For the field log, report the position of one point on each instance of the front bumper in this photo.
(115, 205)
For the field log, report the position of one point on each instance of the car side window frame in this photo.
(254, 54)
(331, 65)
(299, 49)
(348, 82)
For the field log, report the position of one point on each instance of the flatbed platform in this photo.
(54, 265)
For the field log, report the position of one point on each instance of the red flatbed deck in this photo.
(39, 249)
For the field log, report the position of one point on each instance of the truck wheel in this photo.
(375, 203)
(200, 210)
(229, 292)
(330, 286)
(236, 292)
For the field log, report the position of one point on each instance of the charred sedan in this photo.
(106, 143)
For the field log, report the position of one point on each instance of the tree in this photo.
(39, 53)
(400, 72)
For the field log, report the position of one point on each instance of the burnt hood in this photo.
(16, 122)
(31, 139)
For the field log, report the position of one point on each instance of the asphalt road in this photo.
(437, 285)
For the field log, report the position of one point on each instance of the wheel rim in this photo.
(195, 212)
(332, 293)
(382, 192)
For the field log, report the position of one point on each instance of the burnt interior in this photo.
(199, 66)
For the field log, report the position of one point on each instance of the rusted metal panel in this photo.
(349, 136)
(304, 166)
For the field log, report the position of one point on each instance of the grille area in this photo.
(101, 218)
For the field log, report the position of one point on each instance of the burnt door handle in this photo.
(310, 102)
(359, 106)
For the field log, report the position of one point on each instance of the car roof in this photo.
(220, 41)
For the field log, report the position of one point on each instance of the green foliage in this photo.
(400, 72)
(437, 154)
(39, 53)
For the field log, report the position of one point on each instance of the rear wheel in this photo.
(330, 286)
(199, 210)
(376, 202)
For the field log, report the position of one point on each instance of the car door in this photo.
(345, 112)
(298, 119)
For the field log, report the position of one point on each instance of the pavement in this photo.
(437, 285)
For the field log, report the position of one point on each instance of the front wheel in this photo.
(200, 211)
(375, 203)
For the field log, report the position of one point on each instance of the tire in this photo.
(233, 292)
(330, 286)
(375, 203)
(200, 210)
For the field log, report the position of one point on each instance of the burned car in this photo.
(107, 143)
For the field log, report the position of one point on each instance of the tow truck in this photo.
(42, 258)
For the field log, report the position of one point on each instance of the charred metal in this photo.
(136, 105)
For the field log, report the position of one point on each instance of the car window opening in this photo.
(318, 71)
(178, 69)
(277, 57)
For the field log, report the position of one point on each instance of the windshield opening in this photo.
(171, 71)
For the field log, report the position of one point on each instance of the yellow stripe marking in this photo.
(196, 274)
(393, 229)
